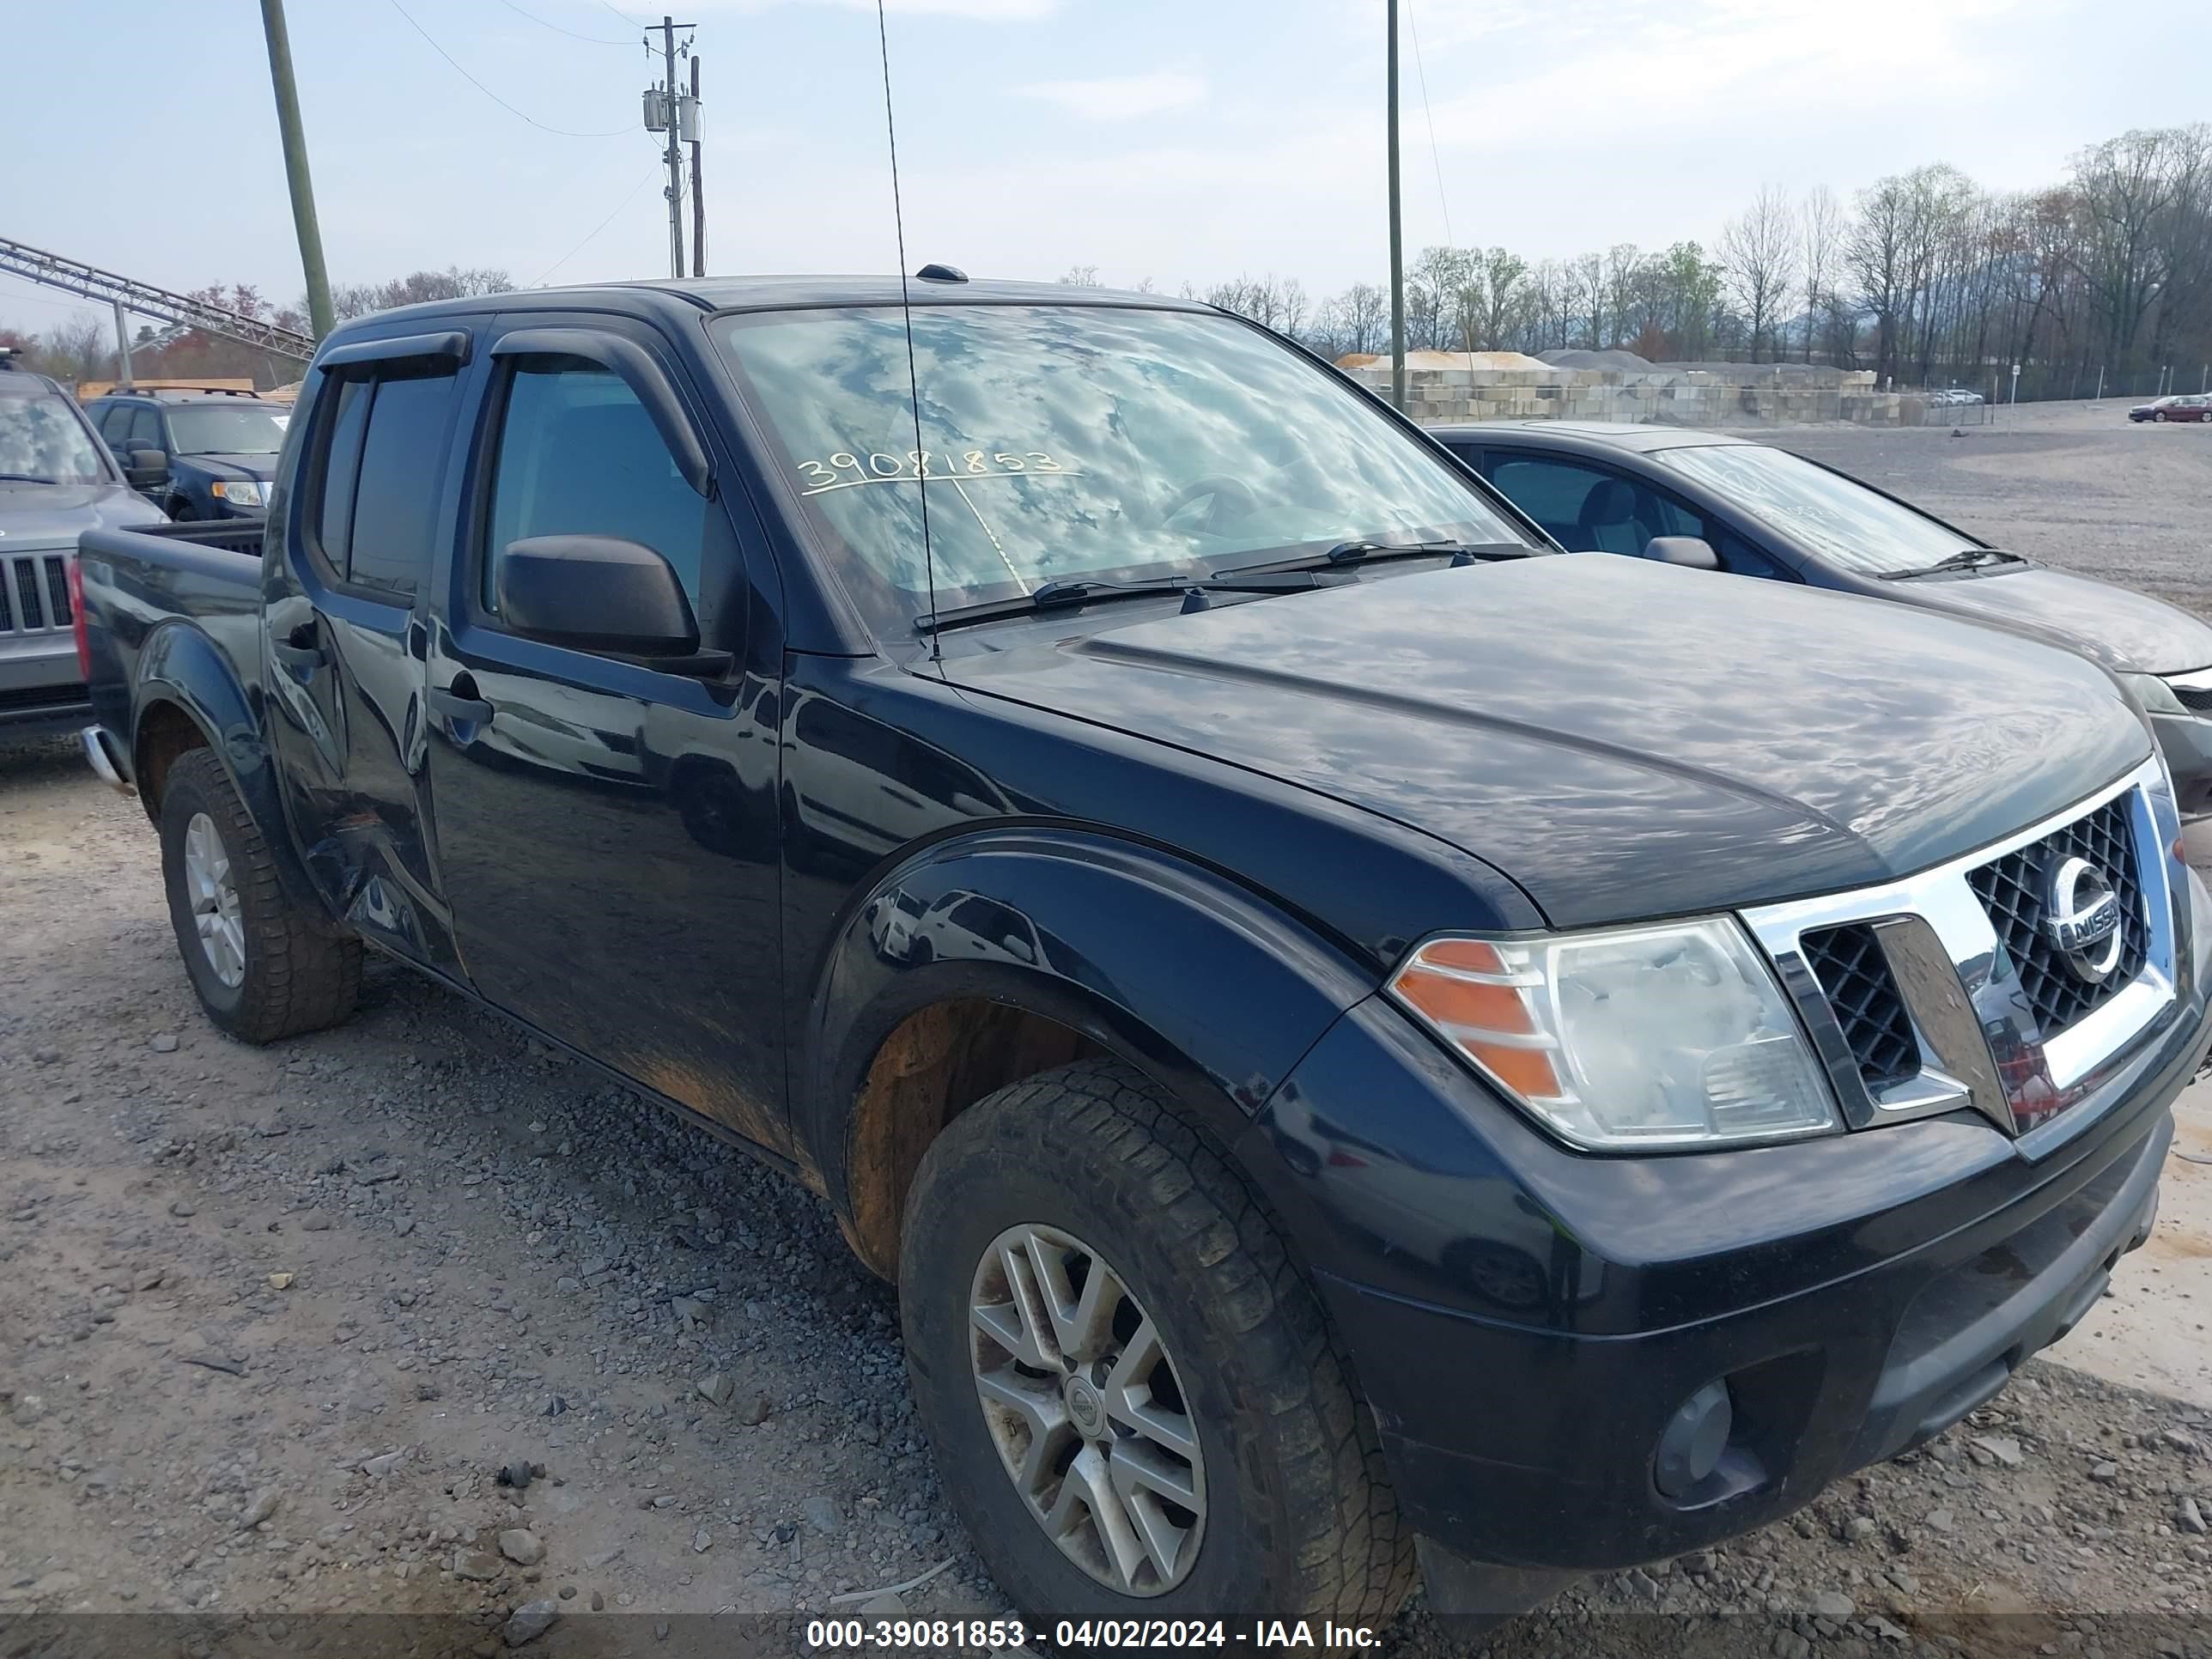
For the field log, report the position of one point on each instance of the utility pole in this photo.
(122, 346)
(1397, 239)
(295, 167)
(698, 190)
(675, 155)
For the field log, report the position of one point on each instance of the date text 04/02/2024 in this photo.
(1001, 1635)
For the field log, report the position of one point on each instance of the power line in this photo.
(1435, 157)
(597, 228)
(563, 133)
(625, 16)
(596, 39)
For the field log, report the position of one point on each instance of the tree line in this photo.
(1925, 277)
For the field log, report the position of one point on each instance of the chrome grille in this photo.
(1941, 990)
(34, 593)
(1855, 976)
(2013, 888)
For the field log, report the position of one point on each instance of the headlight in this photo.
(2153, 693)
(1627, 1039)
(240, 494)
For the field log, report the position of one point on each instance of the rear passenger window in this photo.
(376, 503)
(578, 455)
(402, 463)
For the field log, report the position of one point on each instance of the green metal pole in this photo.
(295, 167)
(1397, 239)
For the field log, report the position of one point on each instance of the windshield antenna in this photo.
(906, 310)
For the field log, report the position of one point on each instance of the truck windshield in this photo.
(43, 441)
(1843, 520)
(240, 428)
(1076, 441)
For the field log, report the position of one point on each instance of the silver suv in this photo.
(56, 478)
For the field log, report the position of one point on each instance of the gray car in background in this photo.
(56, 479)
(1721, 502)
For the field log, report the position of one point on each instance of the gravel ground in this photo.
(2071, 483)
(285, 1331)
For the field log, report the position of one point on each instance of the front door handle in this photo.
(459, 702)
(299, 647)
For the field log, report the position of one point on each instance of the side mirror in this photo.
(1690, 552)
(596, 594)
(146, 467)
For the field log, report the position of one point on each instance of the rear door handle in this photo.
(460, 703)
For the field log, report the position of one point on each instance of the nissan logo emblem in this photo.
(2081, 918)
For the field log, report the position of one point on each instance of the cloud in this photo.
(1122, 97)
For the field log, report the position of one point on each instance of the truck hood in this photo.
(2125, 631)
(241, 467)
(52, 515)
(1624, 739)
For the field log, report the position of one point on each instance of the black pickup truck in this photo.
(1347, 1025)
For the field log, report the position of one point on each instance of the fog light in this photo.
(1690, 1446)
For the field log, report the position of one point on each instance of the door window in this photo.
(375, 501)
(395, 501)
(114, 422)
(578, 455)
(1740, 557)
(1589, 509)
(145, 427)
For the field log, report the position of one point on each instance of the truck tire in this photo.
(1202, 1333)
(264, 967)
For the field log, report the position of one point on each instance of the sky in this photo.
(1158, 139)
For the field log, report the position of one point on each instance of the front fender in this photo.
(1192, 977)
(180, 667)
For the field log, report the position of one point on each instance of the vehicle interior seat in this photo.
(1609, 521)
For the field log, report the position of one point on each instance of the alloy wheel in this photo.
(1084, 1404)
(214, 899)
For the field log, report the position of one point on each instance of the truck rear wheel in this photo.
(264, 967)
(1137, 1407)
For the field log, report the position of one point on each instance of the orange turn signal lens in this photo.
(1464, 1002)
(1472, 996)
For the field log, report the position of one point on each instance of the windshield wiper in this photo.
(26, 478)
(1360, 551)
(1071, 591)
(1967, 558)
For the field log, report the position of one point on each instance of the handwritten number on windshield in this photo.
(844, 470)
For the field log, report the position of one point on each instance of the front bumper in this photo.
(64, 708)
(1857, 1295)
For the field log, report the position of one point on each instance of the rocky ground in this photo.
(414, 1322)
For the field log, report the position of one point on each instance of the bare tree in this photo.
(1820, 226)
(1759, 254)
(1079, 276)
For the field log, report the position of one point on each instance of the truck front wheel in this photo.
(1137, 1407)
(263, 966)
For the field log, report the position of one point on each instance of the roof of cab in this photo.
(1591, 436)
(708, 295)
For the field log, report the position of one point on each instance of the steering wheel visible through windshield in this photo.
(1062, 442)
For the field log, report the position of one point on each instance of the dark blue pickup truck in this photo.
(1364, 1041)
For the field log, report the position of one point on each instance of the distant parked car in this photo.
(56, 480)
(1729, 503)
(196, 454)
(2189, 407)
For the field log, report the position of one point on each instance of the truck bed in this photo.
(199, 579)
